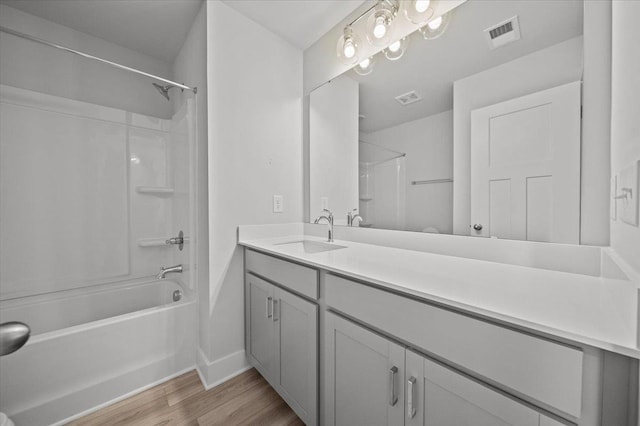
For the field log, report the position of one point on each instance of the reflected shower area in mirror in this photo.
(486, 124)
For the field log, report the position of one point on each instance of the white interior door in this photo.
(525, 167)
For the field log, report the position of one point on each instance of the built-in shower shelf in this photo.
(155, 190)
(366, 198)
(152, 242)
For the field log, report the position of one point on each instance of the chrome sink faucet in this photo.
(329, 218)
(171, 269)
(352, 216)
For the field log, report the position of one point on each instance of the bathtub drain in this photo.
(177, 295)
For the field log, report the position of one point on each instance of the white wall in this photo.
(33, 66)
(190, 67)
(525, 75)
(254, 103)
(428, 143)
(333, 148)
(625, 111)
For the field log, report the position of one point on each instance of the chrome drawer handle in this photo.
(411, 410)
(393, 398)
(269, 307)
(276, 305)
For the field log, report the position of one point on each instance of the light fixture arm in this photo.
(393, 4)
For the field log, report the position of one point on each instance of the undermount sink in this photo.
(308, 246)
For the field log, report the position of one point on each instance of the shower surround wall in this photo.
(74, 213)
(86, 219)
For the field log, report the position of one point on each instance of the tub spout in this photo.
(171, 269)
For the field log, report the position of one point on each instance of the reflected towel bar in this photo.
(425, 182)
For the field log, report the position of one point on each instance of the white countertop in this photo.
(595, 311)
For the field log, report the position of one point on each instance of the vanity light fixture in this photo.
(418, 11)
(365, 67)
(396, 50)
(435, 27)
(348, 47)
(379, 31)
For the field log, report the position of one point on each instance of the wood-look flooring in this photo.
(246, 399)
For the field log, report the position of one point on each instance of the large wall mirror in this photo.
(473, 132)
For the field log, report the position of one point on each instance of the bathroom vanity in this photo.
(351, 333)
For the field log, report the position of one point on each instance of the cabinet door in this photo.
(439, 396)
(296, 323)
(363, 377)
(260, 330)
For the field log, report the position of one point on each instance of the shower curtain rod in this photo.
(95, 58)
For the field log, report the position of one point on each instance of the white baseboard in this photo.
(213, 373)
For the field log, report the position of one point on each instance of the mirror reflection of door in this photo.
(525, 167)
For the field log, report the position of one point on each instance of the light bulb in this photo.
(396, 50)
(365, 67)
(421, 6)
(349, 49)
(394, 47)
(380, 28)
(435, 24)
(436, 27)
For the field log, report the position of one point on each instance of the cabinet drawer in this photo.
(298, 278)
(548, 372)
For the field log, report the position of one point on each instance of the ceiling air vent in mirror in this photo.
(408, 98)
(504, 33)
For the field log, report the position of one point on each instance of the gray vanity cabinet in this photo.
(282, 343)
(364, 373)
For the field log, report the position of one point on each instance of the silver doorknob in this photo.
(13, 335)
(477, 227)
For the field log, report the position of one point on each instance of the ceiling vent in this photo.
(504, 33)
(408, 98)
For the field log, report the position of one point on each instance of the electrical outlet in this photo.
(324, 203)
(278, 203)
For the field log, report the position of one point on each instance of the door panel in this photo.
(261, 330)
(361, 385)
(297, 345)
(525, 167)
(444, 397)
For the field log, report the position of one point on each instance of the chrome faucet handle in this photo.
(179, 241)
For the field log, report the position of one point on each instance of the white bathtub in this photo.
(91, 347)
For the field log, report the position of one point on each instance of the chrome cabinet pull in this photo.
(393, 398)
(411, 410)
(276, 305)
(269, 307)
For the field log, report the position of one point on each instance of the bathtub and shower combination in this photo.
(93, 196)
(89, 348)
